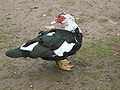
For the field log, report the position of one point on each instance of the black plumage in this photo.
(48, 43)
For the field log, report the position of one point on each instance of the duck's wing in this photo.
(51, 39)
(50, 45)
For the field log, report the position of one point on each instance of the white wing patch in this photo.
(28, 48)
(65, 47)
(50, 34)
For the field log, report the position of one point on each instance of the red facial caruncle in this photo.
(58, 20)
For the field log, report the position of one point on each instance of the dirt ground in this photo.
(97, 64)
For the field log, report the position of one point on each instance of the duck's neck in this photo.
(71, 26)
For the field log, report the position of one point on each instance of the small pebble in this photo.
(56, 88)
(61, 83)
(15, 72)
(36, 7)
(31, 86)
(98, 88)
(77, 18)
(118, 34)
(116, 53)
(44, 15)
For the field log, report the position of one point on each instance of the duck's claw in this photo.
(64, 64)
(67, 67)
(65, 61)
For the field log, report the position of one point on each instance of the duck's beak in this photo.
(53, 22)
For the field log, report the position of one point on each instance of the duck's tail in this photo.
(15, 53)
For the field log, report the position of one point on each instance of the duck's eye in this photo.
(62, 17)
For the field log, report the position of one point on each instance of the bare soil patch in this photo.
(97, 64)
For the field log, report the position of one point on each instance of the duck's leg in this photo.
(64, 64)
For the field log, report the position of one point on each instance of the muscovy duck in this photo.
(55, 44)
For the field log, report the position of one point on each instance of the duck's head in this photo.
(63, 18)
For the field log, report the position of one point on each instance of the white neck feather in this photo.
(71, 26)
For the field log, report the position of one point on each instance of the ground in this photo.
(97, 63)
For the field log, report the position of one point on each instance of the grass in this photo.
(35, 75)
(46, 89)
(11, 70)
(99, 66)
(9, 45)
(7, 39)
(83, 63)
(56, 77)
(87, 72)
(83, 71)
(90, 52)
(65, 74)
(4, 36)
(9, 88)
(10, 66)
(99, 50)
(114, 63)
(92, 55)
(70, 2)
(12, 75)
(95, 75)
(108, 28)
